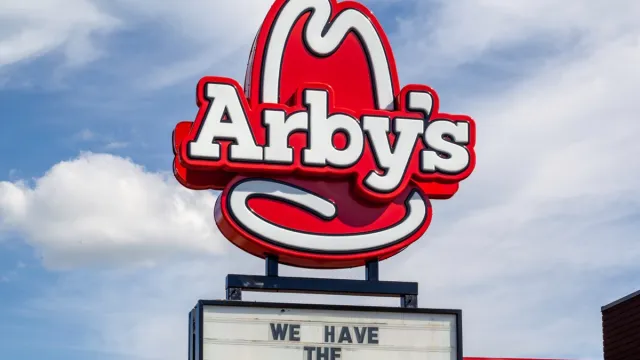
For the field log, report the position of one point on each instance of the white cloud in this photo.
(85, 135)
(197, 34)
(441, 35)
(116, 145)
(29, 29)
(207, 33)
(102, 209)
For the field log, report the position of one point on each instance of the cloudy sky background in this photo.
(102, 253)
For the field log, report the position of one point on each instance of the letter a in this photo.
(224, 100)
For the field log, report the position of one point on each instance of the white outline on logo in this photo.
(243, 191)
(323, 38)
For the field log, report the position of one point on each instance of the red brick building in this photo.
(621, 328)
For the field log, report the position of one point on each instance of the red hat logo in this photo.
(323, 161)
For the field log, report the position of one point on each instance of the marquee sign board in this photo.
(270, 331)
(323, 159)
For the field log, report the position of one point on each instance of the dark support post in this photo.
(409, 301)
(271, 265)
(372, 270)
(234, 294)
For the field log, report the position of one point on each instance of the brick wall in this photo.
(621, 329)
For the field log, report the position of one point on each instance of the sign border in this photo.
(196, 318)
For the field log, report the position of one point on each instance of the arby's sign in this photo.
(322, 158)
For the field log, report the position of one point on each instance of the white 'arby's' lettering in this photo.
(393, 162)
(226, 119)
(456, 157)
(279, 128)
(323, 126)
(224, 100)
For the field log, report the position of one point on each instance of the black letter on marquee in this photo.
(345, 335)
(322, 353)
(360, 336)
(278, 331)
(335, 353)
(329, 334)
(373, 335)
(309, 350)
(294, 332)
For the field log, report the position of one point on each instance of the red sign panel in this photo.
(322, 158)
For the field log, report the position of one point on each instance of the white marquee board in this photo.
(265, 331)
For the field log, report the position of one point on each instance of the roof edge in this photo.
(620, 301)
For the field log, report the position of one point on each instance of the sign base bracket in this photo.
(371, 286)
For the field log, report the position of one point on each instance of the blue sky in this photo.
(102, 253)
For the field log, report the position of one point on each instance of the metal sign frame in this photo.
(371, 286)
(196, 318)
